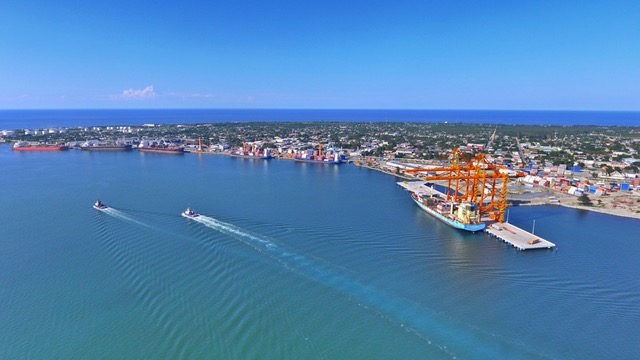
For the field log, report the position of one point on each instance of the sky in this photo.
(511, 55)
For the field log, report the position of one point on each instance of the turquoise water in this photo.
(290, 260)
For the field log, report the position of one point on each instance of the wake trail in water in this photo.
(121, 215)
(435, 328)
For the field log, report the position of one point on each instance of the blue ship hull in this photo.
(446, 220)
(332, 162)
(251, 157)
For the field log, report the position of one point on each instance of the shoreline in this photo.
(606, 205)
(565, 200)
(615, 212)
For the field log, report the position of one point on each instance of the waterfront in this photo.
(298, 261)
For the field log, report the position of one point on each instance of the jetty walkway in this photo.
(509, 233)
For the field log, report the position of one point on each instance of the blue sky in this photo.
(553, 55)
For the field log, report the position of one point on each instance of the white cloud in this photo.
(198, 95)
(146, 93)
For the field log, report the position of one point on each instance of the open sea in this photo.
(30, 119)
(291, 261)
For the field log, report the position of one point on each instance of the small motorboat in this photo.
(190, 213)
(99, 205)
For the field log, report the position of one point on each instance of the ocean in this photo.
(291, 261)
(35, 119)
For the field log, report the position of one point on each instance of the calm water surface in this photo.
(290, 261)
(21, 119)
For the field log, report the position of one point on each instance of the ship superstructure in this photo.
(463, 216)
(318, 156)
(24, 146)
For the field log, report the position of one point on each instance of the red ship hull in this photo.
(174, 151)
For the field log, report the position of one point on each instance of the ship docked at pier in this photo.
(318, 156)
(92, 146)
(473, 189)
(463, 216)
(160, 148)
(251, 152)
(24, 146)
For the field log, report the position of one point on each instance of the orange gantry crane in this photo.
(473, 179)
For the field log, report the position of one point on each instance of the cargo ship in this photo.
(318, 157)
(251, 153)
(104, 147)
(160, 148)
(324, 160)
(23, 146)
(463, 216)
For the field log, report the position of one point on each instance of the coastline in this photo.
(614, 212)
(623, 207)
(610, 205)
(566, 200)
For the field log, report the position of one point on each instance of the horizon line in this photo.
(322, 109)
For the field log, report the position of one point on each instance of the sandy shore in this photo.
(618, 205)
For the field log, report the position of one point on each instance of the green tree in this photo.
(584, 200)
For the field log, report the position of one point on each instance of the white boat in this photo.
(99, 205)
(190, 213)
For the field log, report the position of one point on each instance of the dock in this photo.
(517, 237)
(509, 233)
(419, 188)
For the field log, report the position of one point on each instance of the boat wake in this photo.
(425, 323)
(121, 215)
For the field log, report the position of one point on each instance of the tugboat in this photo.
(190, 213)
(99, 205)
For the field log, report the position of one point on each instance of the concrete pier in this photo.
(516, 237)
(418, 187)
(511, 234)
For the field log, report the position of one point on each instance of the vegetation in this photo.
(584, 200)
(546, 145)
